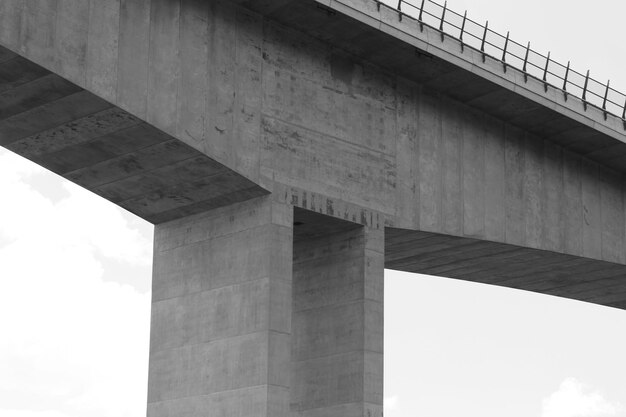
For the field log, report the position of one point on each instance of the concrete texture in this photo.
(511, 266)
(378, 35)
(287, 111)
(337, 326)
(107, 150)
(252, 316)
(221, 313)
(287, 151)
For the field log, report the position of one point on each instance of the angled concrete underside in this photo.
(511, 266)
(105, 149)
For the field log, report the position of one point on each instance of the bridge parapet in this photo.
(478, 50)
(513, 55)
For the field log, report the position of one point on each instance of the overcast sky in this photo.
(75, 278)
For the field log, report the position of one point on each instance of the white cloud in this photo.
(31, 413)
(72, 344)
(78, 219)
(575, 399)
(391, 403)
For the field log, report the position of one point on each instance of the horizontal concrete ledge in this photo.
(506, 265)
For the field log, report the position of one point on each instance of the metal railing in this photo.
(512, 54)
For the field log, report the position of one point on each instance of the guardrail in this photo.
(512, 54)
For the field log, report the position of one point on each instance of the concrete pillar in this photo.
(221, 313)
(251, 317)
(337, 331)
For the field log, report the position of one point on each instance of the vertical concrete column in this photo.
(221, 313)
(337, 326)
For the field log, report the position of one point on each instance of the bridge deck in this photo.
(378, 35)
(345, 111)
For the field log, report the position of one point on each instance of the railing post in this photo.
(606, 94)
(443, 16)
(463, 30)
(482, 45)
(505, 53)
(506, 44)
(545, 74)
(526, 62)
(565, 82)
(585, 91)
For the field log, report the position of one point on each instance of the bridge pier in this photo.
(252, 316)
(221, 311)
(337, 327)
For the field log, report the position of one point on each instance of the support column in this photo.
(221, 313)
(337, 326)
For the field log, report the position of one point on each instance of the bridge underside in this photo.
(478, 260)
(505, 265)
(107, 150)
(158, 177)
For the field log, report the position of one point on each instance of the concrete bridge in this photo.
(287, 152)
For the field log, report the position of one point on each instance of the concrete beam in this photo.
(107, 150)
(510, 266)
(327, 123)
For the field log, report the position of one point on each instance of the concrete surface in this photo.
(221, 313)
(287, 152)
(107, 150)
(253, 316)
(511, 266)
(337, 326)
(284, 110)
(379, 36)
